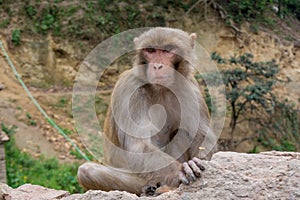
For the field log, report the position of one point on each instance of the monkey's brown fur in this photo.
(172, 148)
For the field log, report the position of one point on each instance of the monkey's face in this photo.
(164, 54)
(161, 64)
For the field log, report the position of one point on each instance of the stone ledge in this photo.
(229, 175)
(3, 137)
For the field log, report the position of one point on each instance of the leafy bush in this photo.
(249, 90)
(284, 124)
(90, 21)
(16, 37)
(23, 168)
(49, 20)
(289, 7)
(245, 10)
(30, 11)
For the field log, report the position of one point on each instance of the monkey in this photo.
(156, 121)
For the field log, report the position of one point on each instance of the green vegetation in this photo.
(23, 168)
(87, 20)
(4, 23)
(67, 131)
(261, 14)
(249, 91)
(284, 123)
(90, 21)
(16, 37)
(85, 151)
(287, 7)
(62, 102)
(100, 105)
(30, 120)
(246, 10)
(47, 20)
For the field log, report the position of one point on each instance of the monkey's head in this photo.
(161, 52)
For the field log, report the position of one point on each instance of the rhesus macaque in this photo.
(156, 122)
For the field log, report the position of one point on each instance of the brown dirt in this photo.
(16, 106)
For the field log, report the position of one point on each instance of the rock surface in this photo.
(229, 175)
(30, 192)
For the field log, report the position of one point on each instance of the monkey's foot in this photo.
(148, 190)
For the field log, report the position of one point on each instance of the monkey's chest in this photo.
(164, 135)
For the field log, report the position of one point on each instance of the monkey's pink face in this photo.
(161, 64)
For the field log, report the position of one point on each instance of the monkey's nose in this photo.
(158, 67)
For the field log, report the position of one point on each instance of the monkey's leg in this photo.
(99, 177)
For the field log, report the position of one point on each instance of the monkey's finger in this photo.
(195, 168)
(198, 163)
(183, 178)
(188, 171)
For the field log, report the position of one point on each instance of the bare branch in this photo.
(194, 5)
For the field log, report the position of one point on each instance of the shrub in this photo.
(16, 37)
(249, 91)
(23, 168)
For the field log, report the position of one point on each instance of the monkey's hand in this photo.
(191, 170)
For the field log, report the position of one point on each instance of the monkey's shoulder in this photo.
(127, 82)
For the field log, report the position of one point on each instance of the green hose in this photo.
(50, 121)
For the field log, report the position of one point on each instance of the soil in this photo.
(34, 135)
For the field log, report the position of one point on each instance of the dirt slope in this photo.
(32, 135)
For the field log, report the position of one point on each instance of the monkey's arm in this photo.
(204, 143)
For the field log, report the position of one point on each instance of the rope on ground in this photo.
(50, 121)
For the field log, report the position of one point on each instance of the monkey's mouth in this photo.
(161, 80)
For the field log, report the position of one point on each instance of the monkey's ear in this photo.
(135, 40)
(193, 37)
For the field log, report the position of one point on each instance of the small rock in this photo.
(2, 86)
(3, 137)
(67, 145)
(4, 190)
(36, 192)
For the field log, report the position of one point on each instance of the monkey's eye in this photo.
(149, 49)
(169, 48)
